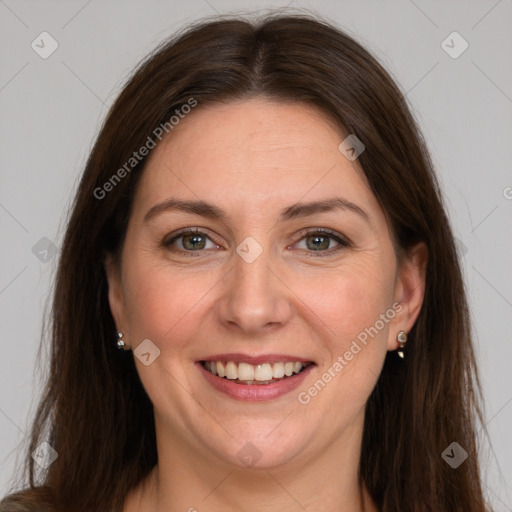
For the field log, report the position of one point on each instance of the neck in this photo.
(185, 481)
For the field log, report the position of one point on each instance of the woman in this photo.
(260, 230)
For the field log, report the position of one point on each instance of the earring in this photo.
(121, 343)
(402, 340)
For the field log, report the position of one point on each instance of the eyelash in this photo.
(343, 242)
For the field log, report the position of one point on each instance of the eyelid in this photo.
(169, 239)
(324, 231)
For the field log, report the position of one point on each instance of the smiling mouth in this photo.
(248, 374)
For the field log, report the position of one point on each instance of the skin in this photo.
(252, 158)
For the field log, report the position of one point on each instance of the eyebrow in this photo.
(298, 210)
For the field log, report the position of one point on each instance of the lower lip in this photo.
(255, 392)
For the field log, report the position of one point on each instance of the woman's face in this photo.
(258, 286)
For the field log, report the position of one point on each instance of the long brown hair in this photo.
(94, 411)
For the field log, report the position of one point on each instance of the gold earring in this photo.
(121, 343)
(402, 340)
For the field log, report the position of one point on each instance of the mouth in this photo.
(263, 378)
(259, 374)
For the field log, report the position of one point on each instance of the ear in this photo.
(115, 292)
(409, 290)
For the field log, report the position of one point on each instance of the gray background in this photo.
(52, 109)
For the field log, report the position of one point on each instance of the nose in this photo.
(255, 296)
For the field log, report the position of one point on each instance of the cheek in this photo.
(349, 300)
(350, 306)
(160, 303)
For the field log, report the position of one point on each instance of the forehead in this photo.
(252, 153)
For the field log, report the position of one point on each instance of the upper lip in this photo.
(256, 359)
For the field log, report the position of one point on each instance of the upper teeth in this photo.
(246, 371)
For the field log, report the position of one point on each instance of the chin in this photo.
(271, 450)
